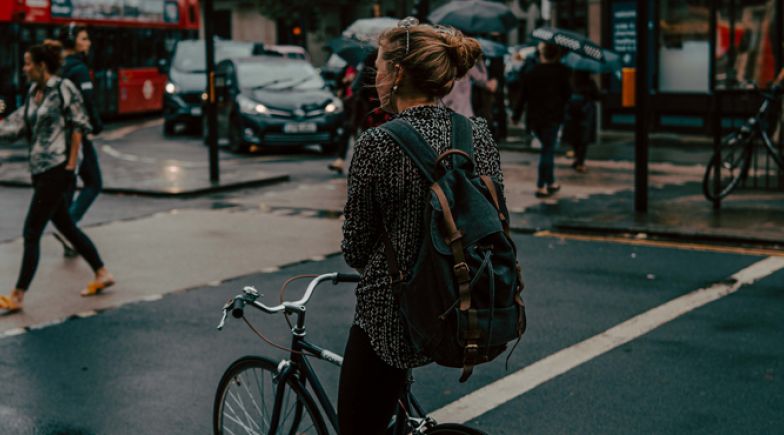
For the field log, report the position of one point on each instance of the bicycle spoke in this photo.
(248, 429)
(260, 385)
(253, 401)
(244, 411)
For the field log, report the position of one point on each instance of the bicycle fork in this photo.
(284, 371)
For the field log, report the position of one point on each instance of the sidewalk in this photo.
(677, 208)
(161, 254)
(599, 202)
(137, 160)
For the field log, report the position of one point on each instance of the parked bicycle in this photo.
(257, 395)
(737, 150)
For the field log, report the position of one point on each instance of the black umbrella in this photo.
(492, 49)
(611, 63)
(369, 29)
(571, 41)
(475, 16)
(351, 50)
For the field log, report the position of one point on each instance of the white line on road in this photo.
(505, 389)
(125, 131)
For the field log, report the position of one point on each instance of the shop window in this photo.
(745, 42)
(684, 46)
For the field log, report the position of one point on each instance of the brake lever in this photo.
(226, 307)
(223, 320)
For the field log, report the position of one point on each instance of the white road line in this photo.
(125, 131)
(505, 389)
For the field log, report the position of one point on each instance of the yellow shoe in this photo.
(10, 304)
(95, 287)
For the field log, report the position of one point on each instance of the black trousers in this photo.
(50, 202)
(369, 388)
(90, 173)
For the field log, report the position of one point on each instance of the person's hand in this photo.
(2, 106)
(492, 85)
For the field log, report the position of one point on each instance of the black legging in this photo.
(369, 388)
(50, 202)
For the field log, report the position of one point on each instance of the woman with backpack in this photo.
(54, 122)
(417, 65)
(76, 45)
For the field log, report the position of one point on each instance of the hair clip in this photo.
(407, 23)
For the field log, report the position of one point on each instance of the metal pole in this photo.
(211, 106)
(716, 97)
(641, 116)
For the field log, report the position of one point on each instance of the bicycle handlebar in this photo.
(236, 305)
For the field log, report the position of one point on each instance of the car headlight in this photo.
(336, 106)
(251, 107)
(170, 88)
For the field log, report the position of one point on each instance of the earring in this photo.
(394, 89)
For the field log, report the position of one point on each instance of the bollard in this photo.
(629, 78)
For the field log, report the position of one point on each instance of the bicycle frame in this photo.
(298, 366)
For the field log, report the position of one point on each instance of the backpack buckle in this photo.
(400, 278)
(462, 272)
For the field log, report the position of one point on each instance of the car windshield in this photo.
(190, 55)
(275, 74)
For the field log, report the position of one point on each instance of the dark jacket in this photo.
(75, 70)
(580, 120)
(386, 192)
(545, 90)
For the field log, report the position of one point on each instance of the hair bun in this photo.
(464, 51)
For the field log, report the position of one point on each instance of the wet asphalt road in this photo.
(152, 367)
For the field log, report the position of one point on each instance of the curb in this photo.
(661, 234)
(175, 194)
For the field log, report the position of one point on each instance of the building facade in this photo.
(695, 46)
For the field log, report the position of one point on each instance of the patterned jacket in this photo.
(49, 123)
(386, 187)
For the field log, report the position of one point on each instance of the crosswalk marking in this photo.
(526, 379)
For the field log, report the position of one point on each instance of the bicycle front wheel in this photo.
(245, 401)
(733, 160)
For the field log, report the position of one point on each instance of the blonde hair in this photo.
(436, 56)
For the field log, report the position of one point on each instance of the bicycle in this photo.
(737, 149)
(257, 395)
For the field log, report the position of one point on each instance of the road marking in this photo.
(526, 379)
(125, 131)
(664, 244)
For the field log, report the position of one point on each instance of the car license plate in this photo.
(300, 127)
(196, 111)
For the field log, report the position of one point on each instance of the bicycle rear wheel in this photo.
(734, 160)
(246, 396)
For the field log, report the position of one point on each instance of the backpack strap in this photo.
(462, 134)
(414, 145)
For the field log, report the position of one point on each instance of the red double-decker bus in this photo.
(129, 39)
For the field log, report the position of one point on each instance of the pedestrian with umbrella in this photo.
(545, 91)
(475, 17)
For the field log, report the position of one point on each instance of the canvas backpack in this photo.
(461, 302)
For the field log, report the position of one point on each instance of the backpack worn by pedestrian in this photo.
(461, 302)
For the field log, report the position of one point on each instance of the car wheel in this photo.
(168, 128)
(330, 149)
(236, 144)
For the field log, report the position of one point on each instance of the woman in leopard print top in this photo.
(386, 192)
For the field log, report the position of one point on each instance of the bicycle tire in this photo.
(263, 371)
(735, 157)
